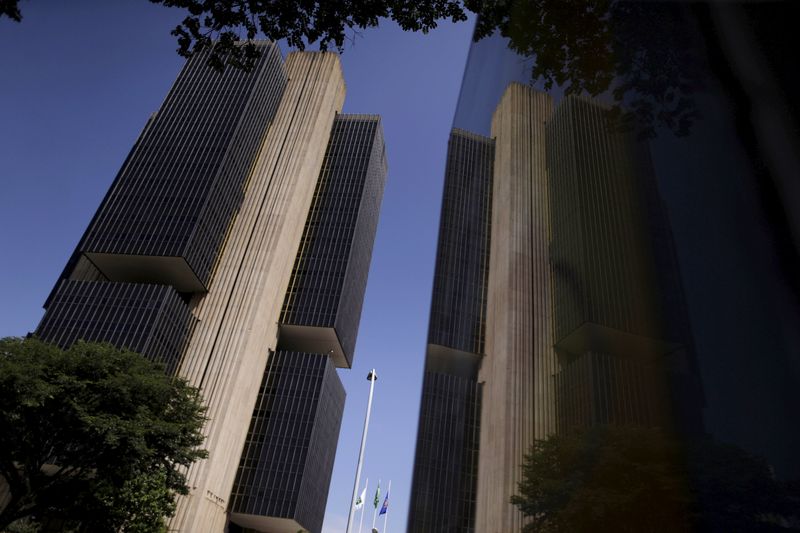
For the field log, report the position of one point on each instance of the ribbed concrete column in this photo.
(518, 401)
(238, 316)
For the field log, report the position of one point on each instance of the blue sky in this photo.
(77, 83)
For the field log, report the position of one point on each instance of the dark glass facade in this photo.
(166, 215)
(729, 185)
(287, 462)
(458, 306)
(159, 230)
(601, 389)
(619, 314)
(601, 255)
(446, 460)
(624, 348)
(152, 320)
(330, 272)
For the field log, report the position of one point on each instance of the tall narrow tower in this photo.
(238, 317)
(557, 305)
(446, 463)
(517, 371)
(286, 466)
(620, 321)
(190, 256)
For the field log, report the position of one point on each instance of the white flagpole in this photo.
(363, 505)
(375, 511)
(386, 514)
(372, 376)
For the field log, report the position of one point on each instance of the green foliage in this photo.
(22, 526)
(218, 26)
(634, 479)
(646, 54)
(10, 9)
(92, 437)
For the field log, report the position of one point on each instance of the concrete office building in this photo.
(556, 305)
(286, 466)
(232, 192)
(725, 187)
(487, 391)
(519, 360)
(620, 322)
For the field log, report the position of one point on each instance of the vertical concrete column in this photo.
(517, 371)
(238, 317)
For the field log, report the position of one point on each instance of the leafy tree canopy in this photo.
(10, 9)
(647, 56)
(91, 437)
(219, 26)
(630, 479)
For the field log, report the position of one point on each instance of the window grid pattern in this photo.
(458, 307)
(151, 320)
(446, 460)
(287, 461)
(446, 463)
(601, 250)
(330, 272)
(614, 264)
(183, 182)
(602, 389)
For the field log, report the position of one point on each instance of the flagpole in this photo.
(372, 376)
(386, 514)
(375, 505)
(363, 504)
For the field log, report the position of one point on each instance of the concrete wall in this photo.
(518, 403)
(238, 316)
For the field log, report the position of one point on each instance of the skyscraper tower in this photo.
(446, 464)
(240, 184)
(581, 312)
(620, 321)
(724, 188)
(519, 360)
(286, 466)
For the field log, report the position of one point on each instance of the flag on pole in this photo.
(385, 507)
(360, 499)
(377, 499)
